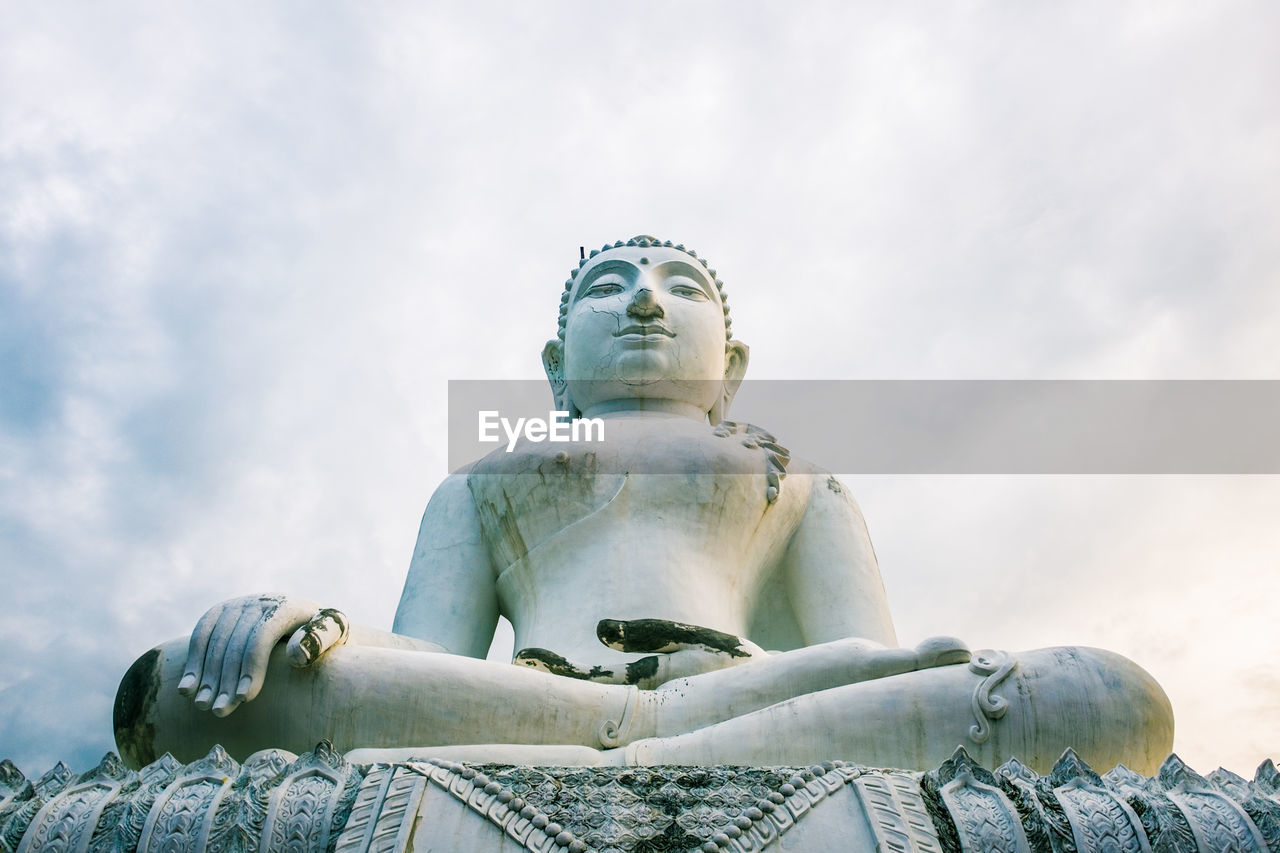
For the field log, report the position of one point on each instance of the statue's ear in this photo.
(736, 355)
(553, 364)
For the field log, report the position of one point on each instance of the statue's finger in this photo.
(548, 661)
(317, 635)
(194, 668)
(213, 657)
(229, 695)
(276, 619)
(224, 701)
(664, 636)
(681, 664)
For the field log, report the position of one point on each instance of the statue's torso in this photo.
(665, 519)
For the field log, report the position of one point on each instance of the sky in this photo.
(244, 247)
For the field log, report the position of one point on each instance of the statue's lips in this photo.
(644, 333)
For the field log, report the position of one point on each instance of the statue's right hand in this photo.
(227, 657)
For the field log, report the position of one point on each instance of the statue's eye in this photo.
(689, 292)
(604, 288)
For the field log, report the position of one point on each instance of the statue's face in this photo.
(644, 322)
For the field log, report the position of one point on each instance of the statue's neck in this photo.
(646, 407)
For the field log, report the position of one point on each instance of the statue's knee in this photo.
(1127, 689)
(1138, 697)
(1103, 705)
(133, 715)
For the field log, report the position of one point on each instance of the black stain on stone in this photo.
(638, 671)
(339, 618)
(558, 665)
(610, 631)
(310, 643)
(661, 635)
(135, 735)
(309, 640)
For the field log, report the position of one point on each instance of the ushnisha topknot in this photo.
(642, 241)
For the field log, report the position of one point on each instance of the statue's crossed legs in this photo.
(846, 700)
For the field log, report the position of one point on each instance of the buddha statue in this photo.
(731, 613)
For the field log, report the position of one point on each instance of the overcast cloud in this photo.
(243, 248)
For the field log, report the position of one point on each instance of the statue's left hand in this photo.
(229, 648)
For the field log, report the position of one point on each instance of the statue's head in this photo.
(644, 320)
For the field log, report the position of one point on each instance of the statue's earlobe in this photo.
(553, 364)
(736, 355)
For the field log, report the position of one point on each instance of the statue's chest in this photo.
(686, 481)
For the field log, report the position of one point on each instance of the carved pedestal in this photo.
(319, 802)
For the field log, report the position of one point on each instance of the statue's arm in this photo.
(228, 651)
(450, 597)
(449, 605)
(831, 573)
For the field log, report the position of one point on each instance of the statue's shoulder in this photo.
(453, 489)
(829, 493)
(461, 474)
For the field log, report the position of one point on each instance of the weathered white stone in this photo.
(683, 592)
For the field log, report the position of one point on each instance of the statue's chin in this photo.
(645, 392)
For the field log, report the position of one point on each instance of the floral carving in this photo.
(17, 815)
(984, 819)
(67, 821)
(613, 810)
(1218, 822)
(995, 667)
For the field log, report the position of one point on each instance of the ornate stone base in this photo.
(319, 802)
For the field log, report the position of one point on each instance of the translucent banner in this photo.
(926, 427)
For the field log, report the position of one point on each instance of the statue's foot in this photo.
(941, 651)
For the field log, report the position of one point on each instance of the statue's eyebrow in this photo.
(612, 265)
(689, 271)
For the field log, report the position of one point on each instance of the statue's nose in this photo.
(645, 304)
